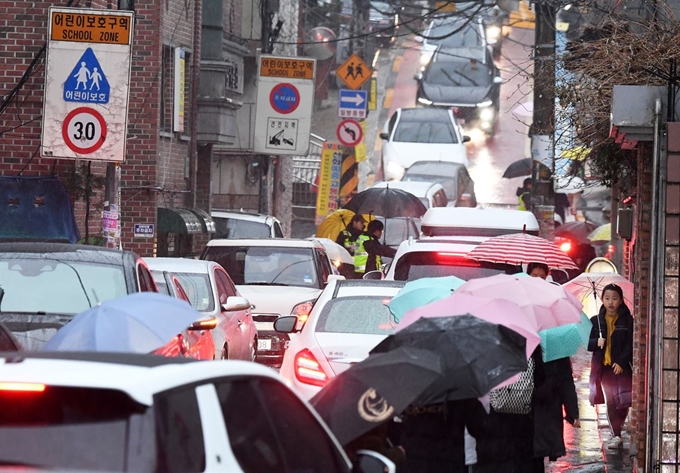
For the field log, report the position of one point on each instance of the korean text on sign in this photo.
(287, 68)
(90, 28)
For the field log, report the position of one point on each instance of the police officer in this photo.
(524, 195)
(348, 237)
(369, 250)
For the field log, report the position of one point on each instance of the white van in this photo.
(478, 222)
(431, 194)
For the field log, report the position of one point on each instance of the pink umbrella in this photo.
(497, 311)
(548, 304)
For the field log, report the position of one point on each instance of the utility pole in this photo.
(542, 129)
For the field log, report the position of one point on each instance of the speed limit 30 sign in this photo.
(84, 130)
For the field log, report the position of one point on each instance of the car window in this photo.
(145, 280)
(425, 132)
(225, 282)
(440, 199)
(449, 184)
(239, 228)
(396, 231)
(470, 73)
(365, 314)
(66, 287)
(68, 428)
(324, 265)
(271, 431)
(278, 233)
(179, 431)
(161, 283)
(421, 264)
(198, 290)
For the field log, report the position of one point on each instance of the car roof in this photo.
(179, 265)
(140, 376)
(417, 188)
(423, 114)
(64, 251)
(479, 217)
(240, 215)
(271, 242)
(360, 287)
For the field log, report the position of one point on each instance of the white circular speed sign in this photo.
(84, 130)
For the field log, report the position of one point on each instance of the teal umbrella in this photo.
(565, 340)
(420, 292)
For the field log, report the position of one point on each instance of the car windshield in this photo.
(422, 264)
(380, 11)
(449, 184)
(239, 228)
(458, 73)
(417, 131)
(397, 230)
(71, 428)
(57, 286)
(265, 265)
(366, 314)
(455, 34)
(196, 285)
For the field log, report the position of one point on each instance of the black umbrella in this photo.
(577, 231)
(477, 355)
(521, 168)
(386, 202)
(375, 390)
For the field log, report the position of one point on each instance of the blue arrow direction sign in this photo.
(87, 82)
(352, 103)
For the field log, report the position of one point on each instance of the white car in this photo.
(121, 412)
(211, 291)
(418, 134)
(279, 276)
(347, 321)
(451, 33)
(239, 224)
(431, 194)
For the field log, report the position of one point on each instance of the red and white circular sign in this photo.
(350, 132)
(84, 130)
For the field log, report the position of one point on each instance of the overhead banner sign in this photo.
(285, 99)
(329, 181)
(87, 79)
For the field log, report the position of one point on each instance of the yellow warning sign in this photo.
(354, 72)
(106, 28)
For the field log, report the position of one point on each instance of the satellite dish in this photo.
(321, 43)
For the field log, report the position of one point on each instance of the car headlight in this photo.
(493, 34)
(487, 114)
(394, 171)
(424, 101)
(486, 103)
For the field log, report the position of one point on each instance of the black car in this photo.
(465, 80)
(454, 177)
(44, 285)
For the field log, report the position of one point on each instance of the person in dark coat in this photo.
(433, 436)
(369, 249)
(611, 341)
(554, 394)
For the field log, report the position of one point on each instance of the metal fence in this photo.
(305, 171)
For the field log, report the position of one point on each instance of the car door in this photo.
(234, 322)
(270, 430)
(227, 323)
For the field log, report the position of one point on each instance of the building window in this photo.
(126, 5)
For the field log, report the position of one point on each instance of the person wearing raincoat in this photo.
(348, 238)
(611, 375)
(368, 252)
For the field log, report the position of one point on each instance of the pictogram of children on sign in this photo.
(82, 76)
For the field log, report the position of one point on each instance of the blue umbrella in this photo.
(565, 340)
(420, 292)
(137, 323)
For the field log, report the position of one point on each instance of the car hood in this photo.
(406, 154)
(344, 349)
(277, 300)
(455, 95)
(31, 330)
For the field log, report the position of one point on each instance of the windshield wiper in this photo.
(471, 81)
(450, 78)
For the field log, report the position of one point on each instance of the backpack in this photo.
(516, 397)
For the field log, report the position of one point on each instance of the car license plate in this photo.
(265, 344)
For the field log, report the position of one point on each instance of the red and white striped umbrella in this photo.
(522, 248)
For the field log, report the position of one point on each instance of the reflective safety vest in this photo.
(521, 205)
(361, 256)
(349, 244)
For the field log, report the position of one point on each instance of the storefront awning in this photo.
(178, 221)
(207, 223)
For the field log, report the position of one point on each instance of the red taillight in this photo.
(32, 387)
(308, 370)
(566, 246)
(611, 249)
(457, 259)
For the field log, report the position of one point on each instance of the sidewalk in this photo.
(585, 450)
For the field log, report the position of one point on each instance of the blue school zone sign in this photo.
(87, 82)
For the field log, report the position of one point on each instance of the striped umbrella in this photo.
(522, 248)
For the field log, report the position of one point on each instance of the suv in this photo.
(239, 224)
(279, 277)
(431, 194)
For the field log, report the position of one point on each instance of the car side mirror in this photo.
(418, 77)
(466, 139)
(373, 275)
(498, 80)
(235, 303)
(384, 136)
(206, 324)
(368, 461)
(334, 277)
(286, 324)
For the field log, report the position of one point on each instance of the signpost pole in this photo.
(112, 200)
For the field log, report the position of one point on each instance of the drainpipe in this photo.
(655, 302)
(195, 74)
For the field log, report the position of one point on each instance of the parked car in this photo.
(467, 86)
(449, 33)
(383, 20)
(211, 291)
(348, 320)
(119, 412)
(279, 277)
(431, 194)
(46, 284)
(239, 224)
(415, 134)
(454, 178)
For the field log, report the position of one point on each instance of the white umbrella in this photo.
(336, 252)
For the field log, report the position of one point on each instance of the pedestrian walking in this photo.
(367, 256)
(611, 376)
